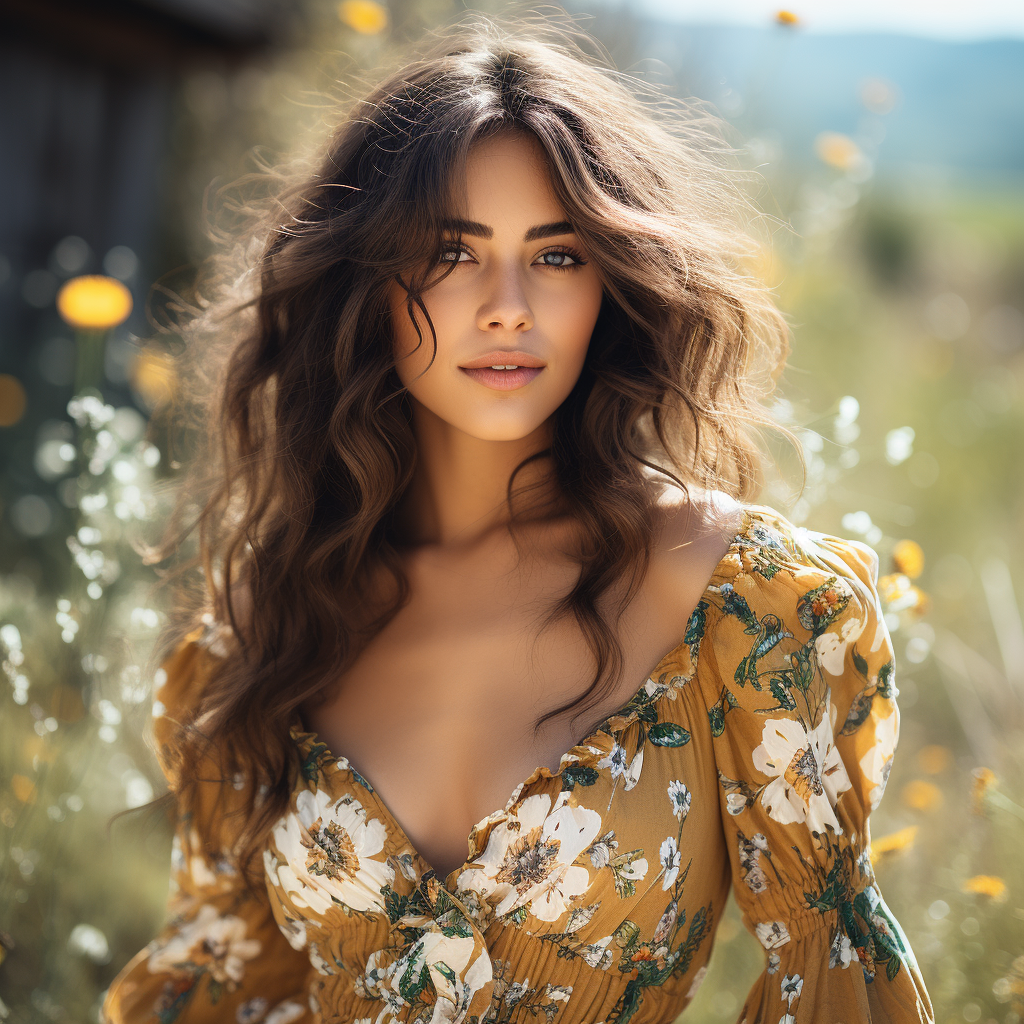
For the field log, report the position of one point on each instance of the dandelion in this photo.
(94, 303)
(984, 781)
(986, 885)
(908, 558)
(921, 795)
(892, 843)
(364, 16)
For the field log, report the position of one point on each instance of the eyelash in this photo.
(561, 251)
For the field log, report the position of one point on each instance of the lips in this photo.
(504, 357)
(503, 380)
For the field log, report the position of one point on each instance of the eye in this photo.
(575, 259)
(451, 254)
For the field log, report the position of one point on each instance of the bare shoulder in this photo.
(698, 521)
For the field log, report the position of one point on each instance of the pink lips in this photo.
(503, 380)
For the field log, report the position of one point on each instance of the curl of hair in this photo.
(305, 439)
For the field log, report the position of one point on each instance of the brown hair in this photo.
(307, 440)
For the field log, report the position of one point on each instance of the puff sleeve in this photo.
(798, 682)
(220, 956)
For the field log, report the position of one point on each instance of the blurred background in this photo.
(888, 145)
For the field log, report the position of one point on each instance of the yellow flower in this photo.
(787, 18)
(12, 400)
(908, 558)
(838, 150)
(892, 843)
(153, 376)
(24, 789)
(899, 594)
(986, 885)
(921, 796)
(984, 780)
(364, 16)
(934, 759)
(94, 302)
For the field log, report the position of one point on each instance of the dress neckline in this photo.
(628, 713)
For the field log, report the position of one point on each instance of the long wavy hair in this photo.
(305, 430)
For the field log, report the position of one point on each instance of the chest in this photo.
(438, 711)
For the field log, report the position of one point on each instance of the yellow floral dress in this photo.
(752, 756)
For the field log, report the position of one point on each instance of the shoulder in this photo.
(695, 530)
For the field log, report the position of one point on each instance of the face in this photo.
(522, 293)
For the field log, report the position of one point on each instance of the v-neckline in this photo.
(628, 712)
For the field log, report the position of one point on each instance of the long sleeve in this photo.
(220, 956)
(797, 676)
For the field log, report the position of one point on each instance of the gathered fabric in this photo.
(751, 757)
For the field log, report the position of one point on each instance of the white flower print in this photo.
(251, 1011)
(670, 861)
(831, 647)
(285, 1013)
(212, 942)
(680, 797)
(875, 764)
(774, 962)
(597, 954)
(841, 953)
(616, 760)
(328, 850)
(735, 803)
(792, 985)
(809, 773)
(601, 850)
(529, 860)
(772, 934)
(787, 1018)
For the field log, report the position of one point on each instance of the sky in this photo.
(941, 19)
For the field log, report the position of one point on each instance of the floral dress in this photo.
(750, 757)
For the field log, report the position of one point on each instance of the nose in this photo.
(506, 304)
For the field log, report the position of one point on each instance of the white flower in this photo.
(792, 986)
(735, 803)
(772, 934)
(529, 860)
(831, 647)
(209, 941)
(809, 773)
(875, 764)
(842, 952)
(327, 853)
(252, 1010)
(680, 797)
(597, 953)
(787, 1018)
(285, 1013)
(774, 960)
(616, 760)
(670, 861)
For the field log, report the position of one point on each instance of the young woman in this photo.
(502, 678)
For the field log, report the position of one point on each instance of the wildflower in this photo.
(364, 16)
(986, 885)
(892, 843)
(908, 558)
(922, 796)
(787, 18)
(94, 302)
(984, 781)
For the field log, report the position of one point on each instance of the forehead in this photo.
(508, 180)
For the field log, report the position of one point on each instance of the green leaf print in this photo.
(413, 982)
(668, 734)
(860, 709)
(885, 681)
(716, 714)
(579, 775)
(803, 667)
(859, 663)
(781, 693)
(697, 624)
(735, 604)
(312, 765)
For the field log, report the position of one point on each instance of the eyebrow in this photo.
(474, 227)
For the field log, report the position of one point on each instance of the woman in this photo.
(485, 421)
